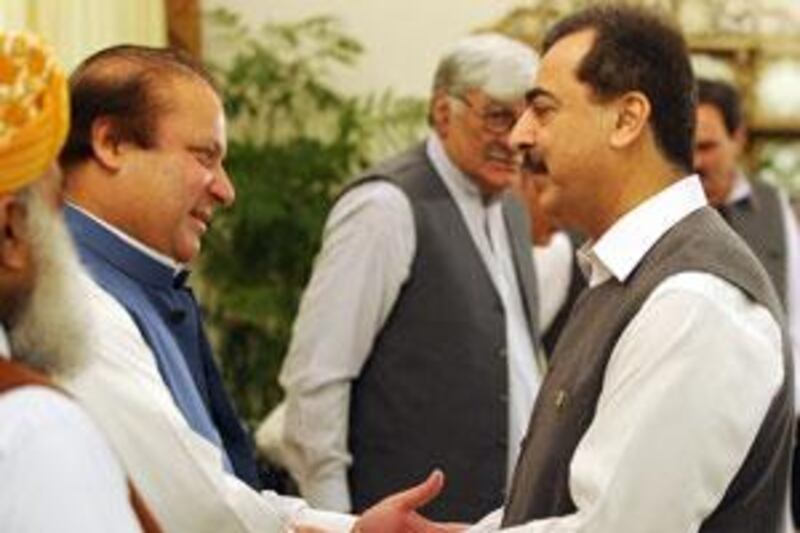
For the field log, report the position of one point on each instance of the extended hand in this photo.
(397, 513)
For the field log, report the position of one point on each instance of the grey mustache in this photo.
(503, 152)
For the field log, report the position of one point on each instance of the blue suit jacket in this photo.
(168, 317)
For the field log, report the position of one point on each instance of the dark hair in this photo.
(725, 98)
(124, 83)
(637, 50)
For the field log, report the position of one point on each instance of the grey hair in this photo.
(501, 67)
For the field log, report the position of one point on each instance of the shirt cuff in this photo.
(296, 512)
(329, 492)
(326, 520)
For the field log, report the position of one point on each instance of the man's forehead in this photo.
(710, 120)
(193, 103)
(566, 54)
(496, 100)
(560, 65)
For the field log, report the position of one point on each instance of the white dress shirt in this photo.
(741, 190)
(685, 391)
(368, 248)
(179, 474)
(58, 473)
(554, 263)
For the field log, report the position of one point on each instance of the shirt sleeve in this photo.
(685, 392)
(303, 515)
(792, 238)
(366, 256)
(179, 474)
(58, 473)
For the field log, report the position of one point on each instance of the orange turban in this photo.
(34, 110)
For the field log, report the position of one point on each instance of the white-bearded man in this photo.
(58, 471)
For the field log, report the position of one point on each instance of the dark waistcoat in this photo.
(759, 221)
(755, 499)
(169, 319)
(434, 390)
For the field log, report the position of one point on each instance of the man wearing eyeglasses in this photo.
(416, 344)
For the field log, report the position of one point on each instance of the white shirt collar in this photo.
(741, 189)
(150, 252)
(457, 182)
(620, 249)
(5, 346)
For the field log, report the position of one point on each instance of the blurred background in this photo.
(317, 89)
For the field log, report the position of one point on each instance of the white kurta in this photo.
(57, 472)
(179, 474)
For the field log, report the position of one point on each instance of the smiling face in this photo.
(564, 133)
(475, 131)
(173, 188)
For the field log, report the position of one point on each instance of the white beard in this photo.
(50, 332)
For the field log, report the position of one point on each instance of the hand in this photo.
(397, 513)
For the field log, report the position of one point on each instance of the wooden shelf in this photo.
(733, 45)
(748, 54)
(785, 128)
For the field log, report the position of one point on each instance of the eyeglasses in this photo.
(496, 118)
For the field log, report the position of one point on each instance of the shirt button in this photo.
(502, 353)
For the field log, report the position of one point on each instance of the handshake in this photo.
(398, 513)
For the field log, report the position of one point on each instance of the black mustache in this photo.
(533, 162)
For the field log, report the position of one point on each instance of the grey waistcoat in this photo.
(434, 390)
(755, 499)
(759, 221)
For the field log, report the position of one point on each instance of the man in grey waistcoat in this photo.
(667, 405)
(760, 213)
(416, 342)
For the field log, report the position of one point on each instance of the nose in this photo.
(222, 187)
(699, 162)
(522, 134)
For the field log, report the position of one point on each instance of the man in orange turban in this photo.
(58, 472)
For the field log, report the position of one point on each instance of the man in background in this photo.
(416, 343)
(58, 472)
(760, 213)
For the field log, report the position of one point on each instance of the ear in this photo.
(107, 146)
(14, 245)
(740, 138)
(632, 112)
(440, 112)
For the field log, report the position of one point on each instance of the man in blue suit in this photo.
(138, 214)
(143, 176)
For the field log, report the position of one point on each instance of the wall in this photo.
(402, 39)
(77, 28)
